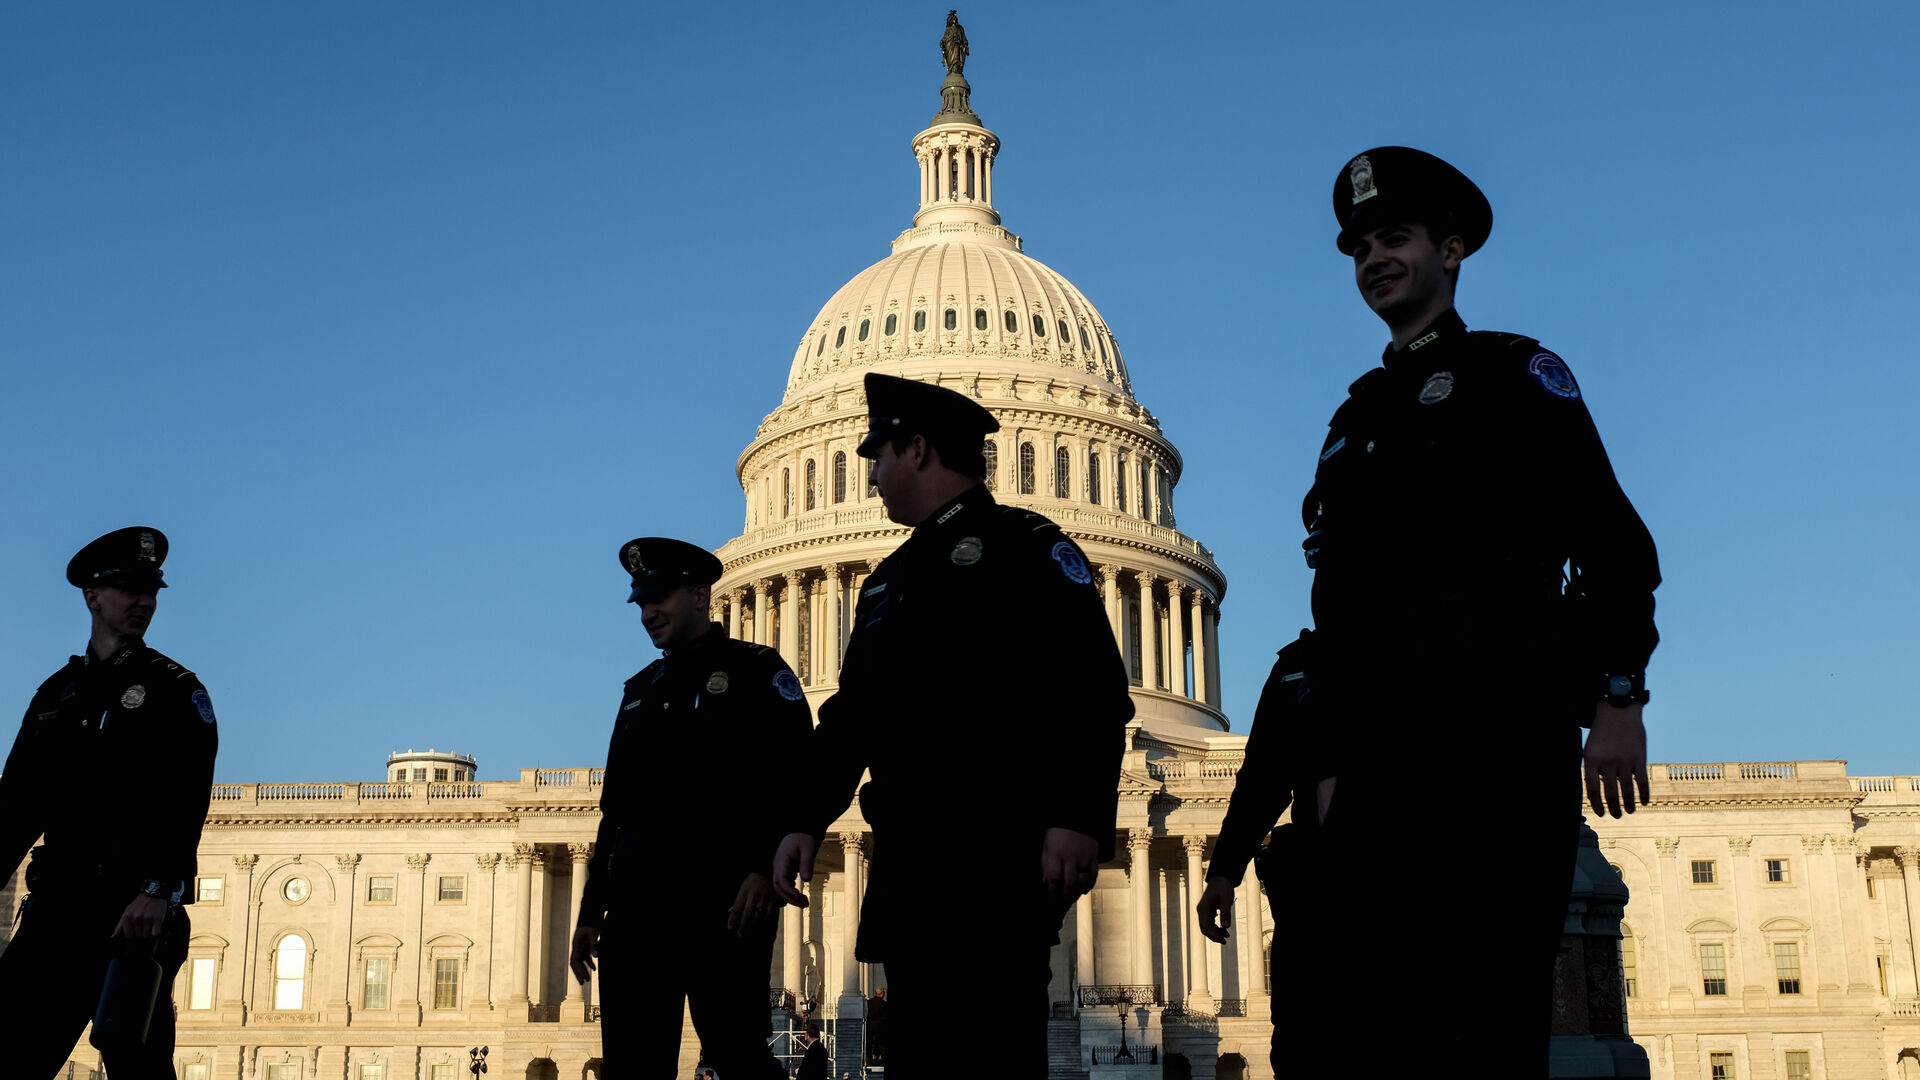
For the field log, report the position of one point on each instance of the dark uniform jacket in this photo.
(1455, 483)
(139, 727)
(1283, 764)
(729, 711)
(981, 672)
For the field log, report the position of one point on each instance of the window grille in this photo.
(1713, 970)
(1799, 1065)
(1093, 477)
(373, 986)
(1786, 966)
(1629, 962)
(1703, 871)
(1720, 1065)
(991, 451)
(1062, 481)
(380, 889)
(810, 483)
(1026, 468)
(446, 982)
(1778, 872)
(452, 887)
(840, 477)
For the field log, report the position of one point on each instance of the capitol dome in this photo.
(959, 303)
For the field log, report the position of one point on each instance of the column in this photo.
(1213, 654)
(1110, 591)
(1176, 642)
(578, 854)
(836, 596)
(250, 930)
(791, 929)
(1253, 934)
(734, 599)
(1758, 969)
(1198, 994)
(1677, 955)
(1149, 623)
(1201, 691)
(1827, 965)
(489, 863)
(1150, 505)
(1141, 938)
(350, 870)
(850, 924)
(760, 634)
(409, 1005)
(1084, 962)
(790, 621)
(522, 859)
(986, 173)
(1910, 876)
(537, 944)
(1844, 864)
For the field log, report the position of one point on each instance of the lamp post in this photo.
(477, 1063)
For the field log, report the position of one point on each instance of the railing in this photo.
(301, 792)
(1119, 995)
(465, 789)
(398, 790)
(1694, 772)
(228, 792)
(543, 1013)
(1906, 1008)
(779, 997)
(593, 1014)
(1232, 1007)
(1135, 1055)
(1732, 770)
(1873, 784)
(1084, 519)
(1766, 770)
(1173, 771)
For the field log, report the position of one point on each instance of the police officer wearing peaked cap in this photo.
(1482, 589)
(983, 628)
(114, 872)
(690, 927)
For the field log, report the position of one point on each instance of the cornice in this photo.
(733, 563)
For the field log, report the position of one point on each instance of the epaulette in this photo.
(1366, 381)
(1502, 339)
(1022, 518)
(650, 669)
(166, 664)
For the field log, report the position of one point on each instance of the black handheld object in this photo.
(125, 1010)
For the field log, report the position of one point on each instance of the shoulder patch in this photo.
(1552, 373)
(787, 685)
(203, 704)
(1072, 563)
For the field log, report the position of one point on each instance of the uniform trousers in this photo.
(50, 980)
(1433, 899)
(653, 964)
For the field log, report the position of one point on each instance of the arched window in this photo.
(1266, 960)
(1026, 468)
(1629, 962)
(1062, 483)
(1120, 483)
(893, 323)
(1146, 493)
(840, 338)
(290, 974)
(952, 320)
(1013, 323)
(1064, 335)
(872, 488)
(919, 321)
(810, 483)
(1084, 344)
(822, 350)
(1039, 325)
(1133, 642)
(840, 477)
(980, 318)
(865, 325)
(786, 492)
(1103, 348)
(991, 451)
(1093, 477)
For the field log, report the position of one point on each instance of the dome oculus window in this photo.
(840, 338)
(1013, 323)
(1039, 325)
(952, 319)
(980, 318)
(865, 326)
(893, 323)
(919, 321)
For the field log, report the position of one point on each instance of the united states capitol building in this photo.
(380, 929)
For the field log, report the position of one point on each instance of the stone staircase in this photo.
(1065, 1061)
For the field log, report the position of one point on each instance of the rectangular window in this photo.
(1778, 873)
(196, 1070)
(419, 774)
(1870, 893)
(1703, 871)
(1720, 1065)
(373, 993)
(1880, 966)
(1713, 970)
(1629, 966)
(442, 1071)
(440, 776)
(373, 1072)
(284, 1070)
(207, 890)
(380, 889)
(453, 888)
(1799, 1065)
(1786, 966)
(200, 982)
(446, 983)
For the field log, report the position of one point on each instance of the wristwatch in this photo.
(1623, 690)
(155, 889)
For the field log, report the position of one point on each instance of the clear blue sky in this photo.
(400, 318)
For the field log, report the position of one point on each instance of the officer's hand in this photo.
(1068, 862)
(1616, 757)
(586, 946)
(143, 918)
(753, 905)
(794, 856)
(1218, 899)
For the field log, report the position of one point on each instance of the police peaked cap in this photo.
(126, 558)
(659, 565)
(906, 407)
(1397, 185)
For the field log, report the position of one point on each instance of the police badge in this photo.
(966, 552)
(1437, 387)
(717, 683)
(1360, 175)
(135, 696)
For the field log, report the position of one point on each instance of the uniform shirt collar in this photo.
(1438, 337)
(972, 500)
(714, 635)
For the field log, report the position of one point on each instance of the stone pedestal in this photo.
(1589, 1003)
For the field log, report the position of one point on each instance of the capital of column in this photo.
(346, 863)
(1174, 589)
(579, 853)
(853, 843)
(1109, 573)
(1909, 857)
(1147, 581)
(245, 863)
(1138, 840)
(1843, 844)
(873, 564)
(522, 853)
(488, 861)
(418, 863)
(794, 577)
(1668, 846)
(1812, 845)
(1195, 843)
(736, 597)
(835, 573)
(1740, 844)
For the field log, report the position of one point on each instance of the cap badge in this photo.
(633, 559)
(966, 552)
(1071, 562)
(717, 683)
(1360, 175)
(146, 546)
(134, 697)
(1438, 386)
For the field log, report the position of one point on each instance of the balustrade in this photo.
(1091, 996)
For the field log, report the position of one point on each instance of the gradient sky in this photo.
(400, 318)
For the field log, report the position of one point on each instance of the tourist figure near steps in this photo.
(937, 659)
(1482, 589)
(115, 872)
(701, 937)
